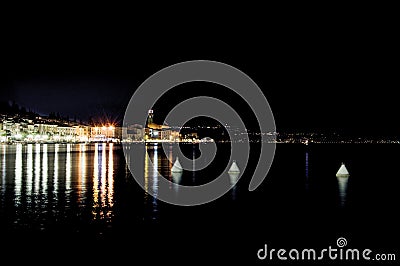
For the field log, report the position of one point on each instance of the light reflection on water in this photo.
(151, 172)
(3, 172)
(37, 169)
(343, 183)
(67, 180)
(110, 181)
(45, 169)
(68, 170)
(82, 171)
(103, 184)
(29, 169)
(104, 199)
(38, 178)
(89, 186)
(233, 179)
(18, 173)
(55, 177)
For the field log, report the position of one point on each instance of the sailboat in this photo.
(342, 172)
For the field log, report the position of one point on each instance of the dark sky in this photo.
(318, 73)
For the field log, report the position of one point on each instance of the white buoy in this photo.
(234, 168)
(176, 177)
(177, 167)
(342, 172)
(233, 177)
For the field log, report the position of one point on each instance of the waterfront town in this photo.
(18, 128)
(34, 128)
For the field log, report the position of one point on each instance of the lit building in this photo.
(120, 133)
(102, 133)
(168, 134)
(43, 129)
(191, 136)
(82, 132)
(7, 124)
(155, 132)
(135, 133)
(150, 117)
(65, 131)
(30, 129)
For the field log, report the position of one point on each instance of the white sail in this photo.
(342, 172)
(177, 167)
(234, 168)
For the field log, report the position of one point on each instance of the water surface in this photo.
(59, 191)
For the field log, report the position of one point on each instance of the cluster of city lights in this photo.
(103, 127)
(102, 132)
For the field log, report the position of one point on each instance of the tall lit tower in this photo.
(150, 117)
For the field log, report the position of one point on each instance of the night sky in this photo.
(320, 74)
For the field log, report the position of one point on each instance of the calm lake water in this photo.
(51, 194)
